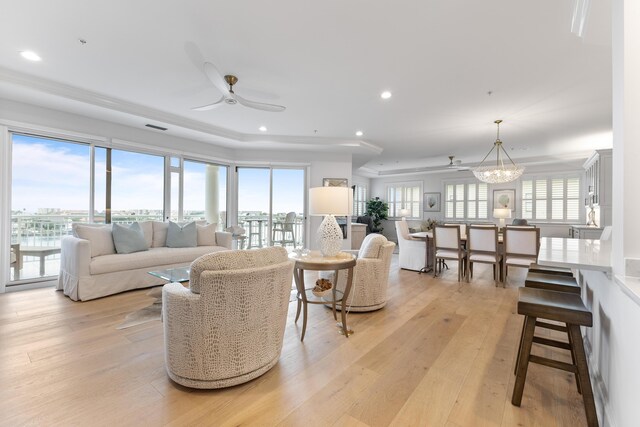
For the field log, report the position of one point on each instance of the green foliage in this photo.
(378, 210)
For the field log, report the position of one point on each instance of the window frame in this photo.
(548, 199)
(465, 200)
(404, 185)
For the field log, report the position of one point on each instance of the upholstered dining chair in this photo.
(370, 275)
(227, 328)
(412, 252)
(521, 247)
(447, 245)
(285, 227)
(482, 246)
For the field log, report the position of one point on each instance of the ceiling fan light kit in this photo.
(228, 95)
(500, 172)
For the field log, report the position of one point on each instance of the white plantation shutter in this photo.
(466, 200)
(557, 199)
(483, 195)
(459, 211)
(527, 199)
(554, 199)
(573, 199)
(471, 201)
(405, 196)
(540, 192)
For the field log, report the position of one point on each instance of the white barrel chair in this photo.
(227, 328)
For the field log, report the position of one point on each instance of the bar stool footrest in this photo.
(552, 343)
(553, 363)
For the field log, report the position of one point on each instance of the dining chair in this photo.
(463, 228)
(447, 245)
(284, 227)
(411, 255)
(521, 247)
(482, 246)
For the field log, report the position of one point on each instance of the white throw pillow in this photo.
(100, 238)
(207, 234)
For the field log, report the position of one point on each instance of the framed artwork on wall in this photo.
(338, 182)
(431, 202)
(504, 199)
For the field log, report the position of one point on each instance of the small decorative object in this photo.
(431, 202)
(504, 199)
(322, 287)
(428, 224)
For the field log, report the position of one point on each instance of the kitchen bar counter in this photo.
(582, 254)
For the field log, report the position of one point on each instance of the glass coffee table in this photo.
(177, 274)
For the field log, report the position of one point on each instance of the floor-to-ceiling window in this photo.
(51, 188)
(56, 182)
(265, 197)
(205, 192)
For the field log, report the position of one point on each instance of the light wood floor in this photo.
(440, 353)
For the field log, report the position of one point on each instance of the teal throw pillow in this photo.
(128, 239)
(185, 236)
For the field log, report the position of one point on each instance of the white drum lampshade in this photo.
(329, 202)
(502, 214)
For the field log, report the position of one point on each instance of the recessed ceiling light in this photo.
(359, 133)
(31, 56)
(262, 128)
(385, 95)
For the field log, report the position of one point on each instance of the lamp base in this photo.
(330, 236)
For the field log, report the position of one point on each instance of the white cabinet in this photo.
(358, 232)
(597, 185)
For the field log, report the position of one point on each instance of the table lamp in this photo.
(329, 202)
(404, 213)
(502, 214)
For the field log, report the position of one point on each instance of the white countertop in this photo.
(585, 254)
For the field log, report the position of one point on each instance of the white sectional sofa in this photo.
(90, 268)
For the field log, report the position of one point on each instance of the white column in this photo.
(626, 135)
(211, 195)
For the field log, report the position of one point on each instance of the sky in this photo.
(55, 174)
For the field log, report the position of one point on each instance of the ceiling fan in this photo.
(225, 86)
(456, 164)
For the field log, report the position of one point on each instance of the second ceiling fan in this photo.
(225, 86)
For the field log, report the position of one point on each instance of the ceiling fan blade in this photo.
(216, 78)
(259, 105)
(210, 106)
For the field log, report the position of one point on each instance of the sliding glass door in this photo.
(271, 206)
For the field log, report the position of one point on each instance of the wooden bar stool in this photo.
(561, 307)
(560, 271)
(552, 282)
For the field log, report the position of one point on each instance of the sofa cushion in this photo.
(147, 230)
(159, 234)
(182, 236)
(207, 234)
(100, 238)
(153, 259)
(128, 239)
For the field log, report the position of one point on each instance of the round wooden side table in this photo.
(314, 261)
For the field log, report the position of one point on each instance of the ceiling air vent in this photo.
(155, 127)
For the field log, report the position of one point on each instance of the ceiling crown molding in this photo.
(223, 135)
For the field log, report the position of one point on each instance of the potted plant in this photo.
(378, 210)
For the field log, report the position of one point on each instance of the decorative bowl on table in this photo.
(322, 288)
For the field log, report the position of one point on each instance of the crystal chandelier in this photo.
(498, 173)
